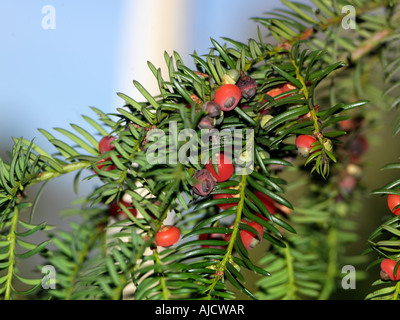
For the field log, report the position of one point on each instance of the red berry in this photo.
(225, 167)
(267, 201)
(287, 87)
(209, 236)
(264, 111)
(274, 92)
(117, 211)
(303, 144)
(107, 167)
(105, 144)
(225, 206)
(167, 236)
(393, 200)
(349, 124)
(249, 239)
(348, 183)
(227, 96)
(387, 270)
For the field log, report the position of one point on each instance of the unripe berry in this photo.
(224, 165)
(354, 170)
(227, 96)
(387, 270)
(328, 144)
(167, 236)
(393, 200)
(230, 77)
(265, 119)
(203, 182)
(105, 144)
(304, 144)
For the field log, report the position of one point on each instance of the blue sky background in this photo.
(49, 78)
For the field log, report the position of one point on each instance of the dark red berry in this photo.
(107, 167)
(105, 144)
(227, 96)
(117, 211)
(357, 148)
(203, 182)
(206, 122)
(167, 236)
(247, 85)
(213, 109)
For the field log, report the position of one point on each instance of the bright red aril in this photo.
(393, 200)
(388, 267)
(225, 167)
(304, 144)
(167, 236)
(227, 96)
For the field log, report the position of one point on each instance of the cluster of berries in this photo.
(227, 97)
(357, 148)
(388, 266)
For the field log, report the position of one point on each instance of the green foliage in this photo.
(384, 242)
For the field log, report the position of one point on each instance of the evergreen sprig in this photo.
(104, 257)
